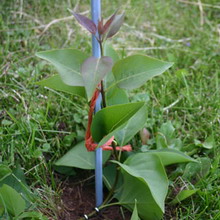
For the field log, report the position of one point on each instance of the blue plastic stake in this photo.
(96, 15)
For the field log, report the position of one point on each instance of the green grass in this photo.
(39, 125)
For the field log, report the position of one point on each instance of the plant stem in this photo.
(103, 94)
(113, 186)
(101, 48)
(102, 84)
(111, 192)
(115, 151)
(100, 208)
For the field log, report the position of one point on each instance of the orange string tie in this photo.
(89, 142)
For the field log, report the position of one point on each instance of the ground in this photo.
(78, 199)
(39, 125)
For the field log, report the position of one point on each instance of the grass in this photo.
(38, 125)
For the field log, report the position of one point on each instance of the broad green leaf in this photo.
(171, 156)
(68, 63)
(135, 212)
(17, 181)
(31, 216)
(108, 136)
(146, 182)
(109, 175)
(122, 133)
(2, 209)
(79, 157)
(184, 194)
(68, 171)
(55, 82)
(110, 118)
(4, 171)
(14, 203)
(114, 95)
(133, 71)
(134, 124)
(109, 51)
(93, 71)
(16, 176)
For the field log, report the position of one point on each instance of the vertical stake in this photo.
(96, 15)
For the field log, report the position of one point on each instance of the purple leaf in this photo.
(86, 22)
(93, 71)
(100, 27)
(109, 22)
(115, 25)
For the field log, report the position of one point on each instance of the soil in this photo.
(78, 199)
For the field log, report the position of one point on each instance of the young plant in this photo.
(139, 181)
(17, 202)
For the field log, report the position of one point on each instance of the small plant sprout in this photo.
(136, 179)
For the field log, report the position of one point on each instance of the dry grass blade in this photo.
(55, 21)
(201, 13)
(28, 16)
(203, 4)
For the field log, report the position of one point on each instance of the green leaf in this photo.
(13, 201)
(68, 64)
(133, 71)
(135, 212)
(110, 118)
(79, 157)
(165, 137)
(114, 95)
(171, 156)
(68, 171)
(4, 171)
(208, 144)
(109, 51)
(16, 180)
(108, 136)
(55, 82)
(93, 71)
(134, 124)
(184, 194)
(31, 216)
(196, 171)
(109, 175)
(145, 177)
(2, 209)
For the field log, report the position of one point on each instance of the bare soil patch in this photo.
(78, 199)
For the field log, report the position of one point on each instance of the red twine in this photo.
(89, 142)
